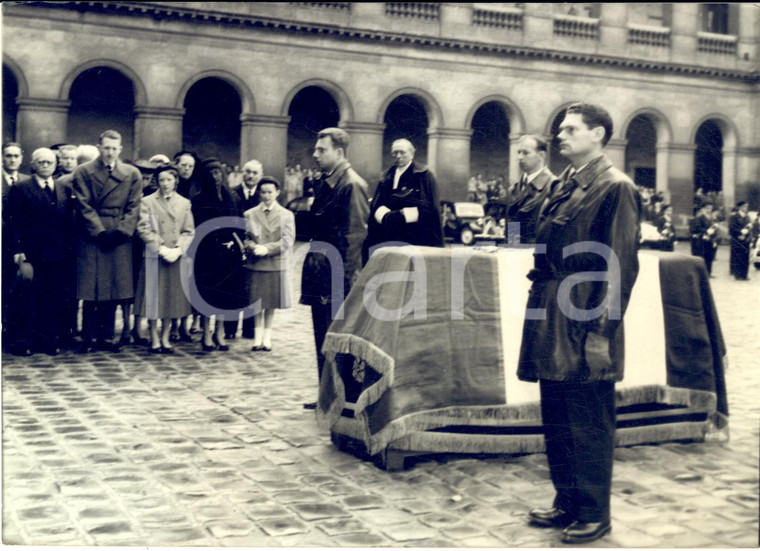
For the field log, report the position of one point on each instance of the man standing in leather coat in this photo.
(339, 219)
(573, 338)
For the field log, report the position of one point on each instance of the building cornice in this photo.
(181, 13)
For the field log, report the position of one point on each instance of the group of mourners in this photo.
(89, 227)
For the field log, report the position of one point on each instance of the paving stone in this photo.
(317, 511)
(363, 502)
(225, 529)
(337, 526)
(283, 526)
(361, 540)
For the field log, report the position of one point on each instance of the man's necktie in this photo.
(50, 192)
(563, 194)
(12, 179)
(266, 212)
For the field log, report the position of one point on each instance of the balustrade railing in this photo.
(723, 44)
(501, 19)
(576, 27)
(649, 36)
(417, 10)
(324, 5)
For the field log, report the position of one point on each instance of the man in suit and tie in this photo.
(40, 222)
(248, 192)
(13, 156)
(535, 184)
(108, 193)
(405, 208)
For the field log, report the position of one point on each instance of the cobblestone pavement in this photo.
(214, 449)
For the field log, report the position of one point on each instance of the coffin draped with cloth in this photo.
(423, 357)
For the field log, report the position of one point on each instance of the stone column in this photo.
(662, 164)
(615, 150)
(449, 159)
(365, 151)
(681, 184)
(157, 130)
(614, 30)
(41, 122)
(685, 23)
(265, 137)
(729, 178)
(514, 166)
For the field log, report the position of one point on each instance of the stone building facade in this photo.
(463, 81)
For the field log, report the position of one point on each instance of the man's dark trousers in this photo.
(579, 429)
(321, 317)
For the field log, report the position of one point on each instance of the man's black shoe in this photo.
(310, 405)
(248, 334)
(585, 532)
(24, 352)
(53, 351)
(107, 346)
(86, 347)
(550, 518)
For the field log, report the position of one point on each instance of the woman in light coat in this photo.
(270, 233)
(166, 226)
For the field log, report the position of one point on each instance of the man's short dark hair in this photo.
(338, 136)
(541, 143)
(6, 145)
(593, 116)
(110, 134)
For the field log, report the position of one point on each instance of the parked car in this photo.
(300, 207)
(466, 222)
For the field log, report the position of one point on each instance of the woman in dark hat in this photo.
(219, 256)
(740, 231)
(167, 228)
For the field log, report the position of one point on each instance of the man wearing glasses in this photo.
(40, 226)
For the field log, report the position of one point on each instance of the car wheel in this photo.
(466, 236)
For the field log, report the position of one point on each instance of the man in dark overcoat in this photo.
(405, 208)
(40, 214)
(534, 186)
(13, 157)
(339, 218)
(704, 234)
(573, 333)
(740, 232)
(108, 193)
(248, 194)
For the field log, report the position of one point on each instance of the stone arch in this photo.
(659, 120)
(726, 125)
(495, 121)
(246, 96)
(141, 94)
(516, 118)
(345, 107)
(727, 156)
(433, 109)
(15, 68)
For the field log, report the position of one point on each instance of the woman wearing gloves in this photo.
(269, 238)
(166, 226)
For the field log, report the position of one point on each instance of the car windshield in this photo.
(468, 210)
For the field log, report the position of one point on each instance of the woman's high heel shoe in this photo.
(222, 347)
